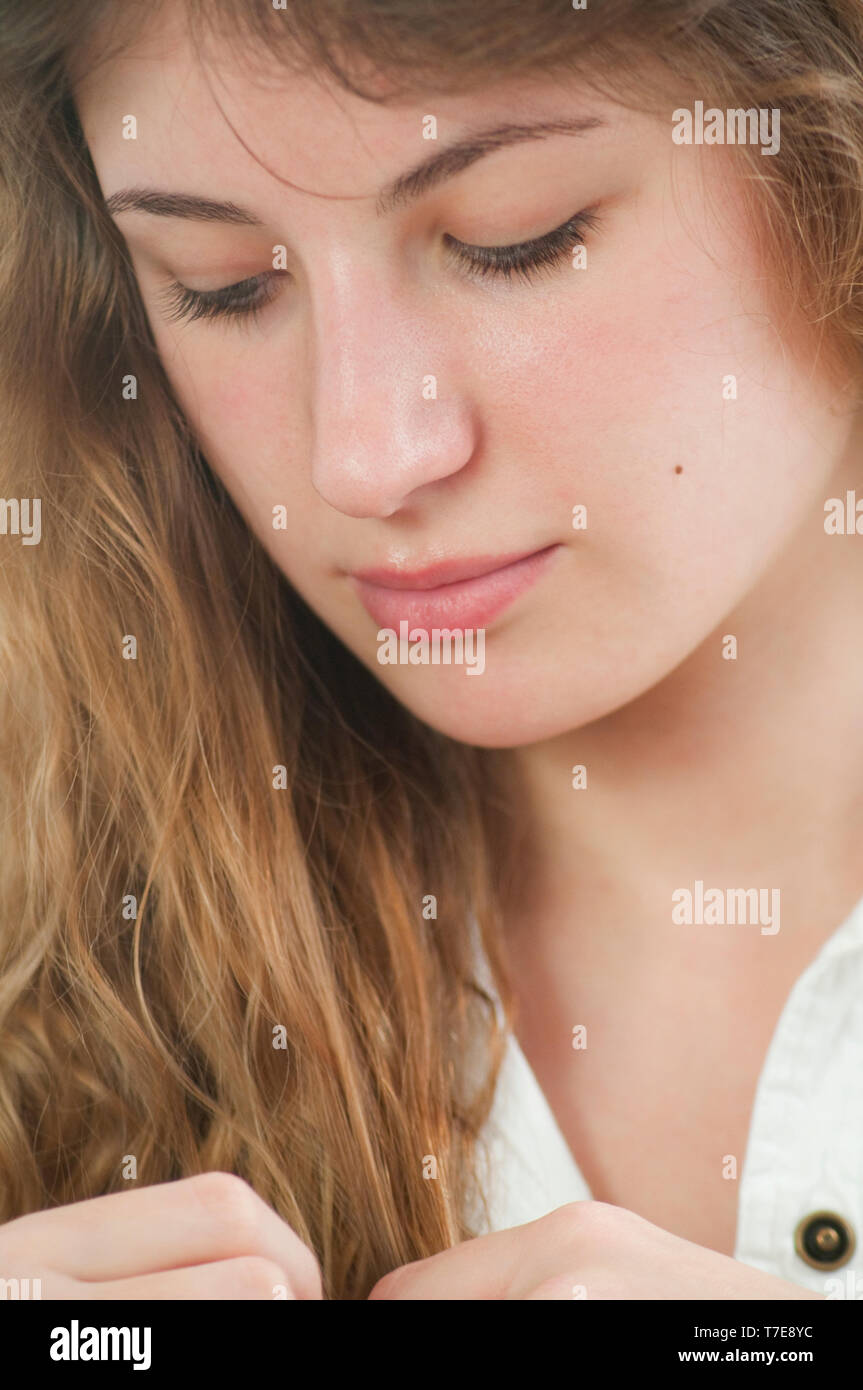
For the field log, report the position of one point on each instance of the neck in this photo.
(745, 772)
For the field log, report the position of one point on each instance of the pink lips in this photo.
(453, 594)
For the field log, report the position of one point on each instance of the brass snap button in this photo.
(824, 1240)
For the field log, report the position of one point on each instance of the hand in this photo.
(583, 1250)
(209, 1236)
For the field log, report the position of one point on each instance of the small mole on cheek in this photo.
(678, 469)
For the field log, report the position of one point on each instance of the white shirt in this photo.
(805, 1148)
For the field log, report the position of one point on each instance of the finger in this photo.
(198, 1220)
(482, 1268)
(560, 1286)
(242, 1279)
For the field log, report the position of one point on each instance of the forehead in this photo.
(204, 104)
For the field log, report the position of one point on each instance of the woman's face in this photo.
(399, 406)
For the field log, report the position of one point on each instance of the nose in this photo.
(389, 409)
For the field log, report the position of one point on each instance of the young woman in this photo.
(432, 749)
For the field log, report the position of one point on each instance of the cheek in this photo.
(219, 382)
(238, 401)
(239, 408)
(617, 398)
(663, 401)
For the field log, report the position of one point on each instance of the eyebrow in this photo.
(405, 189)
(463, 153)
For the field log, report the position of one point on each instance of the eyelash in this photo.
(244, 300)
(527, 259)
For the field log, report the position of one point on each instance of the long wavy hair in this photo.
(209, 963)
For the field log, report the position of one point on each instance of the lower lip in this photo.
(470, 603)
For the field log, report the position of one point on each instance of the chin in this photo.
(528, 702)
(494, 714)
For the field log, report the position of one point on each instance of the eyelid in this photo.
(585, 216)
(244, 300)
(241, 300)
(529, 257)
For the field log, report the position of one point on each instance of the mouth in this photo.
(454, 594)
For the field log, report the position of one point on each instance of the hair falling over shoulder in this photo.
(207, 964)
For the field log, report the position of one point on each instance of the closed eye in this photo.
(245, 299)
(527, 259)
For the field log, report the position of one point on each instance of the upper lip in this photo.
(435, 576)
